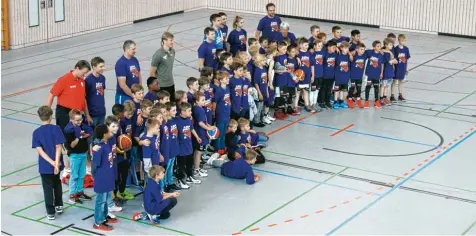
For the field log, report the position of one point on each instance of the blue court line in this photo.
(23, 121)
(400, 184)
(367, 134)
(313, 181)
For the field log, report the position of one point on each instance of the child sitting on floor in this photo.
(241, 168)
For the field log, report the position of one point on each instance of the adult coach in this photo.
(162, 65)
(127, 72)
(269, 25)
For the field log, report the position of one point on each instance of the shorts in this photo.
(316, 85)
(355, 82)
(341, 87)
(386, 82)
(373, 81)
(197, 146)
(303, 87)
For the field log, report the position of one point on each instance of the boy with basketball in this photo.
(185, 154)
(204, 84)
(222, 108)
(374, 72)
(95, 109)
(402, 53)
(123, 163)
(48, 141)
(356, 74)
(241, 168)
(103, 162)
(76, 134)
(201, 126)
(193, 87)
(342, 76)
(306, 63)
(153, 87)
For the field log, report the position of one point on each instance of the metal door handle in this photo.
(50, 3)
(42, 4)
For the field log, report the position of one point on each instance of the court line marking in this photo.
(49, 224)
(469, 228)
(410, 176)
(474, 92)
(342, 130)
(289, 125)
(19, 185)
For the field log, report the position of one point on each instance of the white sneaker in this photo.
(271, 118)
(183, 185)
(199, 174)
(66, 172)
(193, 180)
(212, 158)
(111, 215)
(266, 120)
(115, 208)
(203, 170)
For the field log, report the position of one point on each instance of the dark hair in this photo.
(315, 27)
(270, 5)
(117, 109)
(82, 64)
(236, 65)
(169, 105)
(184, 106)
(354, 32)
(208, 30)
(303, 40)
(361, 45)
(151, 80)
(213, 17)
(282, 44)
(190, 81)
(262, 39)
(111, 119)
(198, 95)
(206, 71)
(100, 131)
(45, 113)
(391, 35)
(251, 41)
(374, 44)
(331, 43)
(203, 81)
(221, 14)
(162, 94)
(96, 61)
(335, 28)
(127, 44)
(223, 57)
(290, 47)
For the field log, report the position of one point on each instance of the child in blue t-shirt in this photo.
(402, 53)
(318, 55)
(201, 126)
(240, 168)
(222, 108)
(342, 76)
(374, 72)
(185, 154)
(150, 154)
(173, 148)
(48, 140)
(356, 74)
(103, 172)
(95, 85)
(328, 75)
(389, 62)
(306, 63)
(153, 88)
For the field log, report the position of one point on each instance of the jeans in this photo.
(52, 191)
(169, 172)
(120, 99)
(220, 141)
(109, 201)
(100, 208)
(78, 171)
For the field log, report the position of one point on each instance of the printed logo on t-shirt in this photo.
(305, 61)
(110, 159)
(331, 62)
(100, 89)
(166, 132)
(208, 104)
(214, 52)
(242, 38)
(187, 133)
(264, 77)
(245, 90)
(374, 61)
(226, 98)
(318, 59)
(113, 153)
(290, 66)
(402, 58)
(134, 71)
(174, 131)
(359, 63)
(274, 26)
(344, 66)
(157, 143)
(129, 130)
(238, 91)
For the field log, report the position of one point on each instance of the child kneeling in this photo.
(157, 204)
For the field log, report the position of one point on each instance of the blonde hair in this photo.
(345, 44)
(253, 50)
(232, 123)
(250, 154)
(402, 36)
(258, 59)
(146, 103)
(155, 170)
(236, 20)
(136, 88)
(129, 106)
(243, 122)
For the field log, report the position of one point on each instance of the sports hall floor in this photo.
(404, 169)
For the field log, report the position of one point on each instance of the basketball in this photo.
(213, 134)
(124, 142)
(299, 74)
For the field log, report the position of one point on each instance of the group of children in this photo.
(237, 87)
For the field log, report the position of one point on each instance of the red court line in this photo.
(288, 125)
(108, 68)
(19, 185)
(342, 130)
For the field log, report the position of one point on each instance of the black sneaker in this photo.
(84, 197)
(328, 106)
(59, 209)
(167, 189)
(50, 216)
(392, 99)
(401, 99)
(174, 187)
(259, 125)
(73, 198)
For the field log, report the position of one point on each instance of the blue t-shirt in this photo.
(319, 63)
(237, 40)
(154, 202)
(129, 68)
(151, 97)
(151, 151)
(281, 79)
(47, 137)
(126, 126)
(353, 46)
(262, 51)
(112, 142)
(104, 162)
(173, 144)
(223, 105)
(402, 55)
(291, 37)
(95, 95)
(311, 42)
(140, 129)
(244, 138)
(230, 72)
(208, 107)
(357, 66)
(238, 169)
(200, 116)
(244, 98)
(388, 69)
(207, 51)
(212, 90)
(374, 64)
(260, 77)
(342, 73)
(219, 39)
(340, 40)
(269, 27)
(329, 66)
(224, 32)
(236, 89)
(292, 65)
(190, 99)
(184, 126)
(307, 62)
(165, 141)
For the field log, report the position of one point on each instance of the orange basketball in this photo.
(299, 74)
(124, 142)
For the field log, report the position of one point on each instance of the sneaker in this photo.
(190, 179)
(270, 118)
(140, 216)
(335, 106)
(115, 208)
(387, 102)
(377, 104)
(127, 193)
(110, 218)
(328, 106)
(154, 220)
(168, 189)
(203, 170)
(212, 158)
(50, 217)
(124, 196)
(266, 120)
(318, 108)
(367, 104)
(350, 103)
(59, 209)
(401, 99)
(392, 99)
(359, 104)
(260, 125)
(120, 196)
(104, 226)
(182, 184)
(309, 109)
(199, 173)
(73, 198)
(83, 196)
(174, 187)
(382, 102)
(343, 105)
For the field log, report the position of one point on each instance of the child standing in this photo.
(76, 134)
(138, 128)
(281, 80)
(153, 87)
(241, 168)
(388, 70)
(104, 171)
(374, 72)
(318, 55)
(201, 127)
(236, 89)
(185, 154)
(329, 75)
(401, 70)
(292, 65)
(112, 124)
(150, 154)
(204, 84)
(123, 161)
(356, 74)
(192, 85)
(163, 96)
(222, 108)
(173, 148)
(355, 35)
(260, 81)
(226, 60)
(48, 141)
(342, 76)
(315, 30)
(238, 37)
(263, 42)
(306, 63)
(95, 109)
